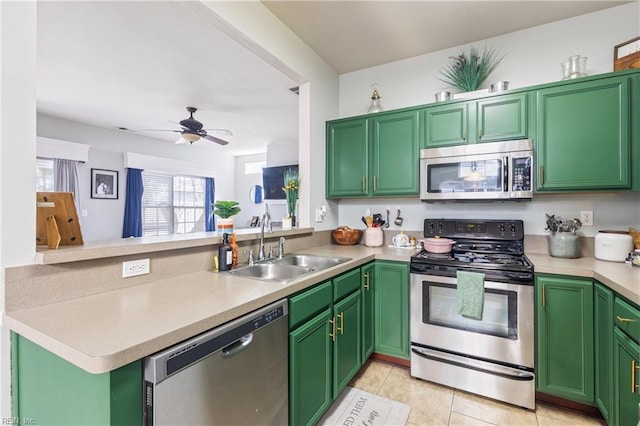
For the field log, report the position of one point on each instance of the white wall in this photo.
(17, 155)
(105, 217)
(256, 27)
(533, 56)
(244, 183)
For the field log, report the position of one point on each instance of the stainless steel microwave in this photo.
(478, 172)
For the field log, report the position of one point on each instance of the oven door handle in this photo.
(474, 364)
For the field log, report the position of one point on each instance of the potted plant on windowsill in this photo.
(225, 210)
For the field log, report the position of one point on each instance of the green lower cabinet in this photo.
(347, 345)
(366, 291)
(564, 328)
(391, 294)
(626, 361)
(603, 340)
(310, 370)
(50, 390)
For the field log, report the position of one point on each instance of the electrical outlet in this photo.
(319, 215)
(586, 217)
(135, 267)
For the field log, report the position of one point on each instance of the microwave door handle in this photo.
(505, 166)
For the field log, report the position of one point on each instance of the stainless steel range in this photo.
(492, 356)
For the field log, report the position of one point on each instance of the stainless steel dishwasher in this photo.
(236, 374)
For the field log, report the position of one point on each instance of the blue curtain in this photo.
(133, 204)
(209, 197)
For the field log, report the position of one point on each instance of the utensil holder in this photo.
(373, 237)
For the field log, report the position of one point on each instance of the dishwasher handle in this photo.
(238, 346)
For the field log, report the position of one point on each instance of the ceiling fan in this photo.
(192, 131)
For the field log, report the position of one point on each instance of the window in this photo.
(44, 174)
(172, 204)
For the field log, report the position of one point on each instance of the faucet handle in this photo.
(250, 257)
(270, 252)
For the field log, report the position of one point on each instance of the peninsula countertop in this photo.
(105, 331)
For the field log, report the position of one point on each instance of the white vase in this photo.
(286, 223)
(224, 225)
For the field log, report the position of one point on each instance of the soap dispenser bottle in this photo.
(234, 251)
(225, 254)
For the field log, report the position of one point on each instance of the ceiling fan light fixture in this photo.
(191, 137)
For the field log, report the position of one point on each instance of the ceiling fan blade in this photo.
(181, 141)
(220, 131)
(183, 127)
(156, 130)
(216, 140)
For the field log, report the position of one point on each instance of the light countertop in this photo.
(105, 331)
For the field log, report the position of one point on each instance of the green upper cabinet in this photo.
(395, 151)
(391, 294)
(603, 340)
(348, 158)
(583, 138)
(502, 118)
(496, 118)
(375, 156)
(446, 125)
(368, 284)
(565, 350)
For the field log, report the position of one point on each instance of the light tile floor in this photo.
(433, 404)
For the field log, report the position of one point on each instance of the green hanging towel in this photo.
(470, 294)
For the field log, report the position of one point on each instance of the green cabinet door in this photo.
(347, 158)
(391, 293)
(395, 151)
(564, 325)
(347, 347)
(502, 118)
(50, 390)
(446, 125)
(368, 283)
(603, 339)
(310, 370)
(626, 360)
(583, 138)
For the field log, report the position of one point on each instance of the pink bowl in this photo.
(437, 245)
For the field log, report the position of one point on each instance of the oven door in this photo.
(505, 333)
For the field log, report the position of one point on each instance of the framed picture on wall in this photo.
(104, 184)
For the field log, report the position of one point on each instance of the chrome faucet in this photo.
(250, 257)
(280, 247)
(266, 217)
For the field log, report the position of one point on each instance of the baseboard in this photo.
(570, 405)
(392, 359)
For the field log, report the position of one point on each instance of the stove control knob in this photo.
(514, 228)
(501, 227)
(431, 226)
(440, 228)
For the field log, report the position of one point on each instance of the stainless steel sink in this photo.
(288, 268)
(271, 271)
(311, 261)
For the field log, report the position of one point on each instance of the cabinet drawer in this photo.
(306, 305)
(627, 319)
(346, 284)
